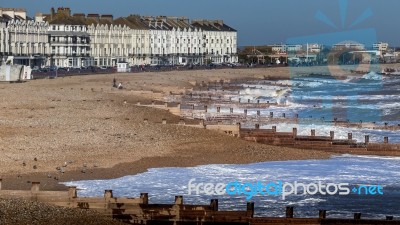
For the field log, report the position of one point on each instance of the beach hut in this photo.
(123, 67)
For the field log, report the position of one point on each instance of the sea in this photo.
(319, 100)
(163, 184)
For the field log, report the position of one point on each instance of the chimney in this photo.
(107, 17)
(79, 15)
(64, 11)
(93, 16)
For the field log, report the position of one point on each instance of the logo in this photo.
(280, 188)
(345, 50)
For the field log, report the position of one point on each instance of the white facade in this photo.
(22, 41)
(314, 47)
(62, 40)
(381, 46)
(70, 45)
(349, 45)
(284, 48)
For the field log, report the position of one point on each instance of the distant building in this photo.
(381, 46)
(314, 48)
(217, 42)
(285, 48)
(348, 46)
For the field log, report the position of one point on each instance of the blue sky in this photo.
(257, 21)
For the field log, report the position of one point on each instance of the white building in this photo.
(348, 45)
(64, 40)
(314, 48)
(381, 46)
(219, 42)
(68, 38)
(285, 48)
(22, 40)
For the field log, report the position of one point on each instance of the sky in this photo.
(258, 22)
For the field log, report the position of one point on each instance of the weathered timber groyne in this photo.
(141, 211)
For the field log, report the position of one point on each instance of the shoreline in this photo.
(173, 146)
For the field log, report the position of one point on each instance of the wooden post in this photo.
(250, 209)
(257, 126)
(313, 133)
(332, 134)
(202, 122)
(274, 128)
(72, 192)
(294, 132)
(179, 200)
(206, 108)
(214, 204)
(322, 214)
(35, 187)
(258, 113)
(145, 198)
(350, 136)
(386, 140)
(366, 139)
(271, 114)
(108, 194)
(289, 212)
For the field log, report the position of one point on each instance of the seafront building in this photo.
(23, 40)
(63, 39)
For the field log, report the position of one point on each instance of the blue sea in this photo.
(318, 100)
(163, 184)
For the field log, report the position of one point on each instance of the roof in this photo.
(212, 25)
(67, 20)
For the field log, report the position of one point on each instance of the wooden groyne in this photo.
(327, 143)
(230, 123)
(141, 211)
